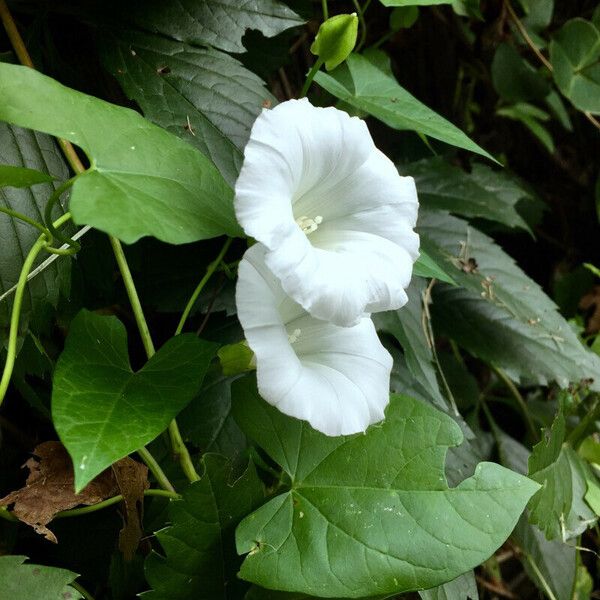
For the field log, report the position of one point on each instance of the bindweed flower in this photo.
(336, 378)
(334, 214)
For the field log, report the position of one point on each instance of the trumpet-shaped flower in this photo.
(336, 378)
(334, 214)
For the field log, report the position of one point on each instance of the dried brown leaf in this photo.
(49, 488)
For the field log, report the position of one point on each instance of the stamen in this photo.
(293, 337)
(309, 225)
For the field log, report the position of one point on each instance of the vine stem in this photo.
(15, 316)
(209, 273)
(325, 10)
(311, 75)
(77, 586)
(363, 24)
(519, 398)
(527, 39)
(77, 166)
(21, 217)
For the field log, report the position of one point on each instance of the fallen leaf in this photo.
(49, 488)
(132, 479)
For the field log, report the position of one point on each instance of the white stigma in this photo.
(309, 225)
(293, 337)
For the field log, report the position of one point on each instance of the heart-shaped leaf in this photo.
(101, 409)
(371, 514)
(142, 180)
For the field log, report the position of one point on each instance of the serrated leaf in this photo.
(25, 581)
(426, 267)
(217, 23)
(362, 85)
(371, 513)
(19, 177)
(483, 193)
(500, 315)
(204, 96)
(575, 57)
(200, 561)
(462, 588)
(406, 325)
(28, 149)
(101, 409)
(559, 509)
(142, 180)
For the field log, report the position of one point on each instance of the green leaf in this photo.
(483, 193)
(530, 116)
(370, 513)
(22, 176)
(428, 268)
(142, 180)
(217, 23)
(515, 79)
(559, 509)
(406, 325)
(22, 581)
(36, 151)
(362, 85)
(403, 17)
(500, 315)
(415, 2)
(462, 588)
(101, 409)
(584, 584)
(335, 39)
(204, 96)
(200, 561)
(575, 57)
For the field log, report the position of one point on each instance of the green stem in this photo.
(209, 272)
(520, 401)
(325, 10)
(13, 334)
(58, 192)
(77, 586)
(363, 24)
(311, 75)
(155, 469)
(26, 219)
(182, 453)
(132, 294)
(580, 432)
(84, 510)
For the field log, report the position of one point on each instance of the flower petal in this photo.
(319, 167)
(336, 378)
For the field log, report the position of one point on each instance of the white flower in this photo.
(332, 210)
(336, 378)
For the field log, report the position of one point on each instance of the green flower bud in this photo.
(236, 358)
(335, 40)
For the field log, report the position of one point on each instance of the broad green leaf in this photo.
(258, 593)
(462, 588)
(24, 581)
(483, 193)
(426, 267)
(217, 23)
(559, 509)
(101, 409)
(575, 56)
(19, 177)
(204, 96)
(514, 78)
(531, 117)
(142, 180)
(415, 2)
(538, 14)
(39, 152)
(403, 17)
(406, 325)
(362, 85)
(371, 513)
(500, 315)
(200, 561)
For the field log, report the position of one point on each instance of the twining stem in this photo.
(311, 75)
(363, 24)
(54, 198)
(519, 398)
(209, 272)
(325, 10)
(77, 586)
(17, 215)
(527, 39)
(78, 167)
(15, 316)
